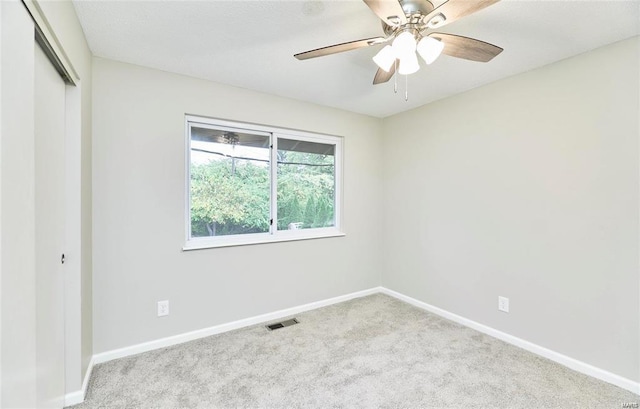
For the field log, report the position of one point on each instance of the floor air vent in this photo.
(278, 325)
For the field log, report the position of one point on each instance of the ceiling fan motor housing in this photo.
(415, 11)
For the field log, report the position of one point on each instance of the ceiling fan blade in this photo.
(453, 10)
(467, 48)
(382, 76)
(338, 48)
(389, 11)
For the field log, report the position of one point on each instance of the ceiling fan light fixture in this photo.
(403, 24)
(408, 64)
(385, 58)
(430, 49)
(404, 44)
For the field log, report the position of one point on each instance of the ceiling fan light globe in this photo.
(429, 49)
(385, 58)
(408, 64)
(404, 44)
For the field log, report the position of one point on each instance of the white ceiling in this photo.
(250, 44)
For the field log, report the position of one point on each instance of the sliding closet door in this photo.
(50, 231)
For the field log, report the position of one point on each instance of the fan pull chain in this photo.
(406, 87)
(395, 77)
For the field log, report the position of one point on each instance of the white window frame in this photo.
(274, 235)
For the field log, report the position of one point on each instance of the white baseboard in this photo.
(576, 365)
(77, 397)
(569, 362)
(201, 333)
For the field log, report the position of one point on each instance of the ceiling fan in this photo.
(406, 25)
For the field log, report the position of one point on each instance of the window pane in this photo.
(230, 185)
(306, 184)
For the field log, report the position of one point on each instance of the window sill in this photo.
(215, 242)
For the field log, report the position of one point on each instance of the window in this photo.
(253, 184)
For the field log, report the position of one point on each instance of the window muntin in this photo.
(247, 184)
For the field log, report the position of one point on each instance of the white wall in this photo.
(1, 113)
(139, 195)
(526, 188)
(18, 213)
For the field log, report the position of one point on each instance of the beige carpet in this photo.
(371, 352)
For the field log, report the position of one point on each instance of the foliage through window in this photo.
(251, 181)
(306, 190)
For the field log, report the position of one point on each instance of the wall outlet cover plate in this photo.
(163, 308)
(503, 304)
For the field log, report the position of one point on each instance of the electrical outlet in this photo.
(163, 308)
(503, 304)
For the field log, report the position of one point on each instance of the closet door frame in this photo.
(25, 26)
